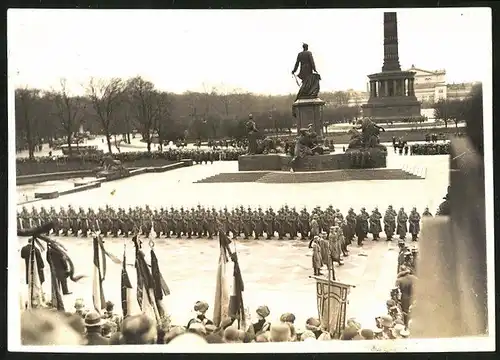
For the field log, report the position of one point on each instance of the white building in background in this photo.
(430, 86)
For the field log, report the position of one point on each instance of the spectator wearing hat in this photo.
(200, 307)
(317, 261)
(109, 315)
(386, 323)
(314, 325)
(444, 208)
(138, 330)
(93, 324)
(394, 310)
(80, 308)
(262, 325)
(108, 329)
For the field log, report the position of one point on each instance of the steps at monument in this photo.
(337, 175)
(252, 176)
(282, 177)
(416, 170)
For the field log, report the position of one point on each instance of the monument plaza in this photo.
(276, 272)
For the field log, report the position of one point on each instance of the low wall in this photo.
(38, 178)
(280, 162)
(65, 175)
(32, 167)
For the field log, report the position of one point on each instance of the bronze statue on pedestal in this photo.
(309, 88)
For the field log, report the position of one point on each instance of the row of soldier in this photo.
(207, 222)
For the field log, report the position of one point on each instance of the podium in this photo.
(332, 304)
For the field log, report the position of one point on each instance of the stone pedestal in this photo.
(309, 111)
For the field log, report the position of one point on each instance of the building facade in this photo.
(430, 86)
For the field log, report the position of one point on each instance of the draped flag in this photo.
(126, 288)
(145, 284)
(221, 303)
(160, 286)
(56, 296)
(236, 308)
(98, 277)
(35, 292)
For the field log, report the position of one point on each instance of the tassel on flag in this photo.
(221, 303)
(35, 292)
(98, 278)
(126, 289)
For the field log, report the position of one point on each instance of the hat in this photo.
(79, 304)
(263, 311)
(404, 333)
(201, 306)
(312, 323)
(377, 330)
(210, 328)
(386, 320)
(367, 334)
(287, 317)
(391, 304)
(93, 319)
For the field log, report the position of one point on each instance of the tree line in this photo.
(458, 110)
(121, 107)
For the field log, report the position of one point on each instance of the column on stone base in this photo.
(386, 87)
(395, 87)
(411, 87)
(405, 87)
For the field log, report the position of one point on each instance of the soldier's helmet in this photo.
(182, 208)
(192, 209)
(426, 208)
(389, 207)
(363, 209)
(171, 208)
(337, 210)
(402, 209)
(351, 209)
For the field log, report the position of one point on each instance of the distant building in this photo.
(430, 86)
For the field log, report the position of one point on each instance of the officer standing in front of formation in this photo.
(414, 221)
(402, 218)
(61, 269)
(317, 262)
(375, 226)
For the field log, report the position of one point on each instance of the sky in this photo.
(249, 50)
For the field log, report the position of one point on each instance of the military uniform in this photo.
(414, 221)
(402, 229)
(268, 224)
(375, 225)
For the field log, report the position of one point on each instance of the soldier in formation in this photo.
(204, 222)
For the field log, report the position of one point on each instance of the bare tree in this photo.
(163, 113)
(69, 110)
(105, 96)
(26, 116)
(142, 97)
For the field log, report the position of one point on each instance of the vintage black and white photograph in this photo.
(206, 180)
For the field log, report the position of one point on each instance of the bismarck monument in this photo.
(309, 154)
(392, 94)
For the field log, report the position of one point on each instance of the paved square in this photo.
(276, 273)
